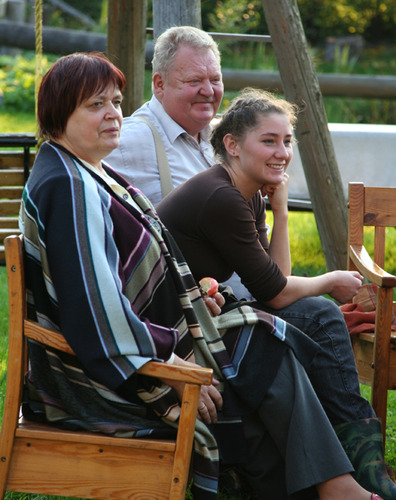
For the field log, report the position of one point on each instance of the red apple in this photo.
(209, 286)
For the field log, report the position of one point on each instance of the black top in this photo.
(219, 232)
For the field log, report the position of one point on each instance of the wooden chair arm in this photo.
(186, 374)
(369, 269)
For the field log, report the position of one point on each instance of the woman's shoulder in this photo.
(56, 171)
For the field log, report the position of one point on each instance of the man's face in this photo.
(192, 91)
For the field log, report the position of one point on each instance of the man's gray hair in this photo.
(170, 40)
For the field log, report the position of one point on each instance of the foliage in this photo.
(17, 80)
(236, 17)
(375, 20)
(58, 18)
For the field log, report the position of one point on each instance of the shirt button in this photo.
(125, 196)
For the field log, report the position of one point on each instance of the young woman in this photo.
(219, 222)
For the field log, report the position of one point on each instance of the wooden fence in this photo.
(17, 153)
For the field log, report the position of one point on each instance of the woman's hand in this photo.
(214, 303)
(345, 285)
(210, 399)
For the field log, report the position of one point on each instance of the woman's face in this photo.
(93, 129)
(266, 151)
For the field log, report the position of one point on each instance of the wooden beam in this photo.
(126, 46)
(175, 13)
(301, 86)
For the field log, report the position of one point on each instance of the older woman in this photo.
(102, 269)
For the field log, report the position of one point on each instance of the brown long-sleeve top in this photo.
(219, 232)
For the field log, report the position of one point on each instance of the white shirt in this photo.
(136, 160)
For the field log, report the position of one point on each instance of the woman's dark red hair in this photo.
(69, 82)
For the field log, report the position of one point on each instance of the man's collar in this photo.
(171, 128)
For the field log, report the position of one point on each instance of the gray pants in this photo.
(291, 443)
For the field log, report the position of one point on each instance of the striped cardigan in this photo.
(109, 276)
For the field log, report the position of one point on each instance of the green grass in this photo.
(17, 123)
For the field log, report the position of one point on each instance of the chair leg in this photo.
(382, 354)
(184, 443)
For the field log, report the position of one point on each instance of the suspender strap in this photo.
(163, 165)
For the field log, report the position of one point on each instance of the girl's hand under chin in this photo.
(277, 193)
(268, 190)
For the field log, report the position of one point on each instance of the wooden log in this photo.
(175, 13)
(126, 42)
(62, 41)
(301, 86)
(367, 86)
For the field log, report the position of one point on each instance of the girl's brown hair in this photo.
(244, 113)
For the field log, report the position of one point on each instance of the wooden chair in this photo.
(40, 458)
(375, 352)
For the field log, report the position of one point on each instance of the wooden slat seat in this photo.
(7, 222)
(12, 177)
(14, 159)
(15, 165)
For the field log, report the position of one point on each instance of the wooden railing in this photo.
(17, 153)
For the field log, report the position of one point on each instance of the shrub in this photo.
(17, 81)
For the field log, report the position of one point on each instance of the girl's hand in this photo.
(277, 193)
(345, 285)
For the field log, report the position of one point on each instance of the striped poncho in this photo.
(108, 275)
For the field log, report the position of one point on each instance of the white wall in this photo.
(365, 153)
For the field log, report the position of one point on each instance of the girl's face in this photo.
(264, 153)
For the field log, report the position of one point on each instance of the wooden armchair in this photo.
(375, 352)
(40, 458)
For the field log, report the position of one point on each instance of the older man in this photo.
(187, 92)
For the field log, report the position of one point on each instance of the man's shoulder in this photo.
(137, 122)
